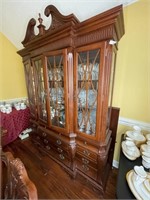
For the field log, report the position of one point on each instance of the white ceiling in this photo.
(15, 14)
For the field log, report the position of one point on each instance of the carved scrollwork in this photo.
(30, 31)
(57, 18)
(18, 185)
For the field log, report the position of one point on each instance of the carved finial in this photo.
(41, 26)
(40, 19)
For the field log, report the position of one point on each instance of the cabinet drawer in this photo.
(54, 151)
(86, 153)
(86, 161)
(86, 168)
(61, 156)
(57, 141)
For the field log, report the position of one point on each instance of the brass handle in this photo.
(44, 134)
(58, 142)
(45, 141)
(60, 150)
(48, 147)
(62, 157)
(85, 167)
(86, 152)
(85, 161)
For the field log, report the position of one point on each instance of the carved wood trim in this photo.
(18, 185)
(29, 32)
(57, 18)
(96, 36)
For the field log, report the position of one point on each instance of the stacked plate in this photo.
(145, 151)
(148, 137)
(136, 135)
(130, 150)
(139, 182)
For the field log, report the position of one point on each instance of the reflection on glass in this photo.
(88, 73)
(31, 86)
(41, 89)
(56, 90)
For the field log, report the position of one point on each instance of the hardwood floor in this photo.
(51, 180)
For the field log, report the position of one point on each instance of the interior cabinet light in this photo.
(112, 42)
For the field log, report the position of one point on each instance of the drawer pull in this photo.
(58, 142)
(45, 141)
(44, 134)
(48, 147)
(86, 152)
(85, 167)
(85, 161)
(60, 150)
(61, 156)
(38, 137)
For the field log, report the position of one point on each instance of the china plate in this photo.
(147, 136)
(138, 190)
(145, 153)
(129, 157)
(147, 184)
(131, 186)
(135, 136)
(145, 147)
(132, 156)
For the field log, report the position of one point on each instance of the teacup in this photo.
(136, 129)
(139, 174)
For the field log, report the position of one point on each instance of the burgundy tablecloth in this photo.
(14, 122)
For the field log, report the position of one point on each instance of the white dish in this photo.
(147, 159)
(147, 136)
(145, 147)
(132, 153)
(129, 157)
(147, 184)
(139, 170)
(145, 192)
(148, 142)
(131, 185)
(145, 153)
(145, 164)
(141, 193)
(138, 138)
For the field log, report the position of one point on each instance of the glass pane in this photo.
(41, 90)
(88, 73)
(30, 81)
(56, 90)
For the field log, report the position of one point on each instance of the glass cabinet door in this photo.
(87, 76)
(41, 91)
(30, 82)
(56, 75)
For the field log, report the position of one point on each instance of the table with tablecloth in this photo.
(14, 122)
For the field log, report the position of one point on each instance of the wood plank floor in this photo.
(51, 180)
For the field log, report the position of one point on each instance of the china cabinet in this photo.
(69, 69)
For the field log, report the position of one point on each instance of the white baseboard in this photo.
(13, 100)
(131, 122)
(115, 164)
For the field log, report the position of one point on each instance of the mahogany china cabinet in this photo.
(69, 70)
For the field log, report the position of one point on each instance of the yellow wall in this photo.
(132, 84)
(12, 81)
